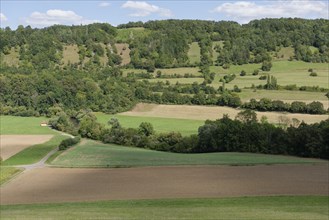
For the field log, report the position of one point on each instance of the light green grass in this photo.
(7, 173)
(23, 125)
(184, 126)
(95, 154)
(180, 71)
(194, 53)
(180, 80)
(214, 52)
(285, 53)
(125, 35)
(241, 208)
(34, 153)
(286, 95)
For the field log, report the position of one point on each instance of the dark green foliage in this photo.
(313, 74)
(68, 143)
(243, 73)
(266, 65)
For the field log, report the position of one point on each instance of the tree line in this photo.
(242, 134)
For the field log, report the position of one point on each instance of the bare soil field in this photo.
(44, 185)
(12, 144)
(210, 112)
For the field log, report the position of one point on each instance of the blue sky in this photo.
(46, 13)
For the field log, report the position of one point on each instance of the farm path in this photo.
(39, 164)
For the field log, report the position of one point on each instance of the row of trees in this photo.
(265, 104)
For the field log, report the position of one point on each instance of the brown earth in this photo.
(210, 112)
(44, 185)
(12, 144)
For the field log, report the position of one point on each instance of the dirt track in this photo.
(12, 144)
(210, 112)
(63, 184)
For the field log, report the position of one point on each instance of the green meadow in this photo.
(95, 154)
(184, 126)
(256, 208)
(23, 125)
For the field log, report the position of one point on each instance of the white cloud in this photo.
(244, 11)
(104, 4)
(3, 17)
(56, 16)
(143, 9)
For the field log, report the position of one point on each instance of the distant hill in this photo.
(166, 44)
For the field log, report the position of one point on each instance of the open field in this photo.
(267, 207)
(124, 52)
(194, 53)
(34, 153)
(70, 54)
(11, 59)
(209, 112)
(12, 144)
(7, 172)
(23, 125)
(95, 154)
(180, 71)
(184, 126)
(284, 95)
(47, 185)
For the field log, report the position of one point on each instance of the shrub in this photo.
(313, 74)
(68, 142)
(243, 73)
(255, 73)
(263, 77)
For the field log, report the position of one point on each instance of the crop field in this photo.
(184, 126)
(34, 153)
(95, 154)
(48, 185)
(193, 112)
(257, 208)
(23, 125)
(12, 144)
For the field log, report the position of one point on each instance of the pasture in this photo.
(95, 154)
(267, 207)
(194, 112)
(164, 124)
(23, 125)
(123, 50)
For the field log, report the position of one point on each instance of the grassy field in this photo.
(194, 53)
(286, 95)
(95, 154)
(180, 71)
(184, 126)
(70, 54)
(23, 125)
(34, 153)
(11, 59)
(7, 172)
(243, 208)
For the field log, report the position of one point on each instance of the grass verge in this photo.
(243, 208)
(7, 173)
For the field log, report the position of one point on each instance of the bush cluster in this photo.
(68, 143)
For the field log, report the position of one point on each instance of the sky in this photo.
(46, 13)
